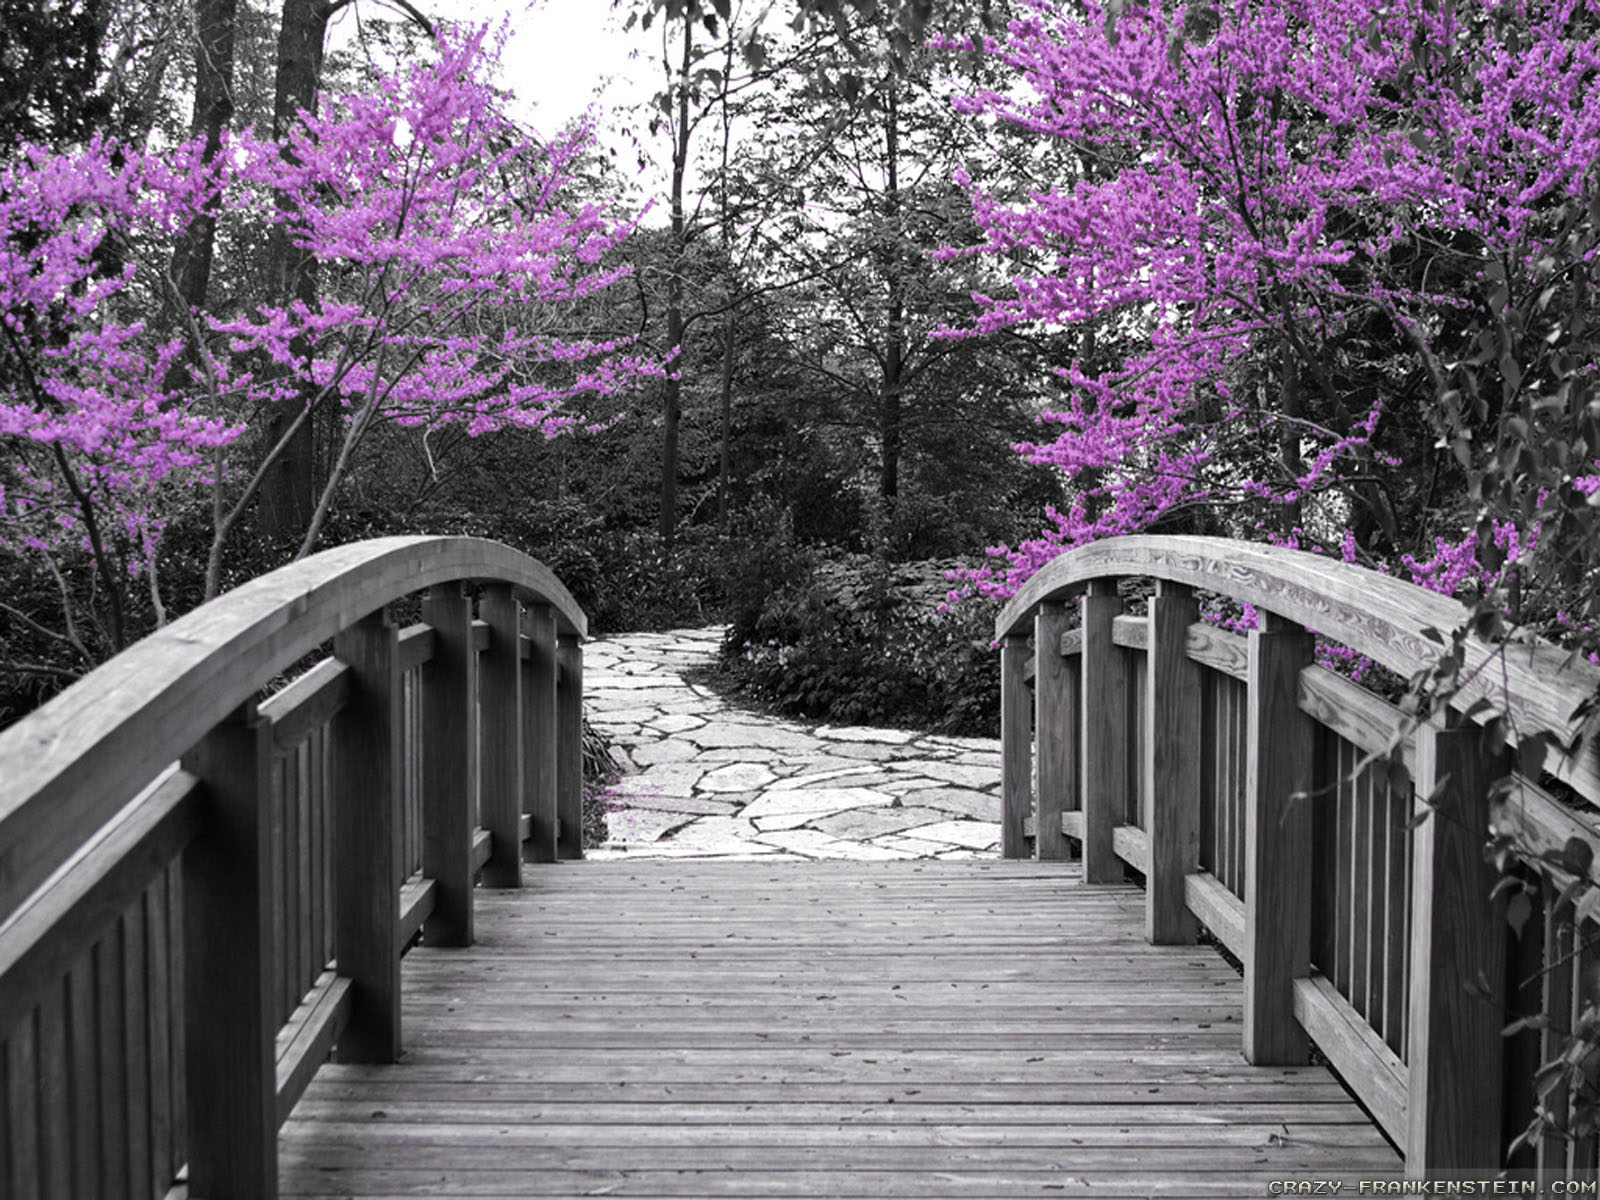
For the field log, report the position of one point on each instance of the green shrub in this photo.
(864, 642)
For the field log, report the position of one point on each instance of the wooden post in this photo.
(1055, 709)
(230, 967)
(1277, 843)
(1458, 948)
(1016, 747)
(569, 744)
(1103, 783)
(1171, 764)
(367, 838)
(501, 757)
(541, 772)
(449, 764)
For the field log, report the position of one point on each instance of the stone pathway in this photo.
(708, 780)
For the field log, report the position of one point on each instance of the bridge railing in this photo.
(1362, 915)
(201, 894)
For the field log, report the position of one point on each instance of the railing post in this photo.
(569, 745)
(369, 734)
(1016, 746)
(542, 769)
(1277, 840)
(1103, 787)
(1171, 763)
(501, 757)
(449, 764)
(230, 962)
(1458, 964)
(1055, 708)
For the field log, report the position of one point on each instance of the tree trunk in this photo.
(894, 351)
(673, 400)
(213, 113)
(288, 490)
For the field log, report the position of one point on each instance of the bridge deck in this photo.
(681, 1028)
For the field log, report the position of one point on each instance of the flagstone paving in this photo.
(705, 779)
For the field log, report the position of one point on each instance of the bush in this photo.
(862, 642)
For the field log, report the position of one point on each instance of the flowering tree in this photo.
(1289, 215)
(448, 250)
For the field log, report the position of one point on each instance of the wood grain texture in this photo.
(1277, 843)
(1016, 748)
(503, 758)
(1055, 706)
(542, 735)
(367, 836)
(230, 1008)
(1103, 744)
(865, 1052)
(1373, 1071)
(569, 747)
(449, 764)
(1171, 763)
(71, 764)
(1376, 615)
(1457, 961)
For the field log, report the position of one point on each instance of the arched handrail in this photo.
(83, 755)
(1376, 615)
(1224, 769)
(202, 896)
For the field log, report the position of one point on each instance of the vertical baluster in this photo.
(569, 745)
(1103, 790)
(501, 726)
(367, 801)
(1016, 747)
(1457, 961)
(1055, 705)
(229, 989)
(1171, 763)
(543, 735)
(1277, 858)
(449, 686)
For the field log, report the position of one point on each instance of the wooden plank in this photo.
(1103, 748)
(1557, 987)
(617, 1018)
(136, 1003)
(1171, 768)
(367, 834)
(416, 645)
(1218, 909)
(569, 747)
(230, 960)
(308, 703)
(541, 746)
(1373, 1071)
(54, 1099)
(85, 1080)
(418, 898)
(1055, 701)
(1457, 961)
(303, 1045)
(22, 1108)
(502, 759)
(1072, 824)
(449, 765)
(1354, 713)
(1016, 747)
(1277, 843)
(1130, 632)
(1396, 918)
(1222, 650)
(1132, 845)
(482, 847)
(165, 993)
(83, 902)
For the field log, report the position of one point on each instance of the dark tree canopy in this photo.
(50, 58)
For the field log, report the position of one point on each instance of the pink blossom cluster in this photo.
(1249, 171)
(451, 260)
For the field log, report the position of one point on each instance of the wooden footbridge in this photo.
(335, 942)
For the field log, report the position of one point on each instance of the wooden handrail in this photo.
(333, 821)
(1362, 916)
